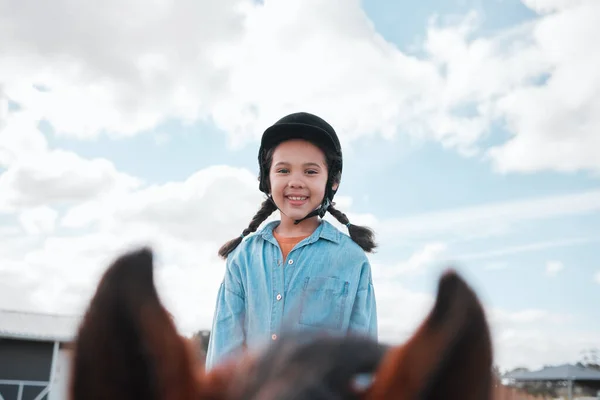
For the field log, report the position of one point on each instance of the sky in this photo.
(470, 131)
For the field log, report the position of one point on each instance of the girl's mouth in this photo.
(296, 200)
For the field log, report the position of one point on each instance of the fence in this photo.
(503, 392)
(20, 386)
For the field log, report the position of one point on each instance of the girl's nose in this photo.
(296, 183)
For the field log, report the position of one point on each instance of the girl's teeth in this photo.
(297, 198)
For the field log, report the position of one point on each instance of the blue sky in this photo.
(431, 188)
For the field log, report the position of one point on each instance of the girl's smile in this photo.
(297, 201)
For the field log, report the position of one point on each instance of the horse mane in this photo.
(127, 347)
(306, 368)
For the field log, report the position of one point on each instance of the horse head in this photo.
(127, 347)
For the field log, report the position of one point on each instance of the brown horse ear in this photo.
(127, 346)
(450, 355)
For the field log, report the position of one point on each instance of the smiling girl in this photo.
(300, 272)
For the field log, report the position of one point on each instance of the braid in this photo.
(362, 235)
(267, 208)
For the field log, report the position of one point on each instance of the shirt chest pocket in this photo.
(323, 302)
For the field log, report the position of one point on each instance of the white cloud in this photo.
(534, 337)
(38, 220)
(455, 94)
(59, 176)
(532, 317)
(523, 337)
(119, 66)
(555, 124)
(491, 218)
(529, 247)
(546, 6)
(417, 262)
(185, 221)
(553, 268)
(536, 347)
(36, 175)
(125, 67)
(19, 137)
(343, 70)
(61, 274)
(400, 310)
(597, 277)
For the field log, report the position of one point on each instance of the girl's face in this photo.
(298, 176)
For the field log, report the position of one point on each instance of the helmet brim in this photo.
(276, 134)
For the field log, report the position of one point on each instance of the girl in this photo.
(300, 272)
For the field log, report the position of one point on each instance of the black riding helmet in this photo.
(302, 125)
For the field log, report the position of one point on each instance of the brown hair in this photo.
(361, 235)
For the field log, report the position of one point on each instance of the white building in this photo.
(34, 354)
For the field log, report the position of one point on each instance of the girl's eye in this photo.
(282, 171)
(312, 171)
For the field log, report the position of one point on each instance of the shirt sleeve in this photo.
(227, 334)
(363, 320)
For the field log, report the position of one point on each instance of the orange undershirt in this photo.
(288, 243)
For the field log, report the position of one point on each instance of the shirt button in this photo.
(274, 336)
(278, 296)
(291, 262)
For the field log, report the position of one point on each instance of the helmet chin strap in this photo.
(320, 211)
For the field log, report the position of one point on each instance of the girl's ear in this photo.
(335, 185)
(450, 355)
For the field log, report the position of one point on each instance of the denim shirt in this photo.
(324, 285)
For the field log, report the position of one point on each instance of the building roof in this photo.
(558, 373)
(37, 326)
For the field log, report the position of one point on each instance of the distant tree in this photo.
(201, 339)
(496, 371)
(496, 376)
(519, 369)
(590, 358)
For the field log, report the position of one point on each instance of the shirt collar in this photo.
(325, 230)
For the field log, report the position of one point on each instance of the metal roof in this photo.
(38, 326)
(558, 373)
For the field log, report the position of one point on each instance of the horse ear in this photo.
(127, 346)
(449, 356)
